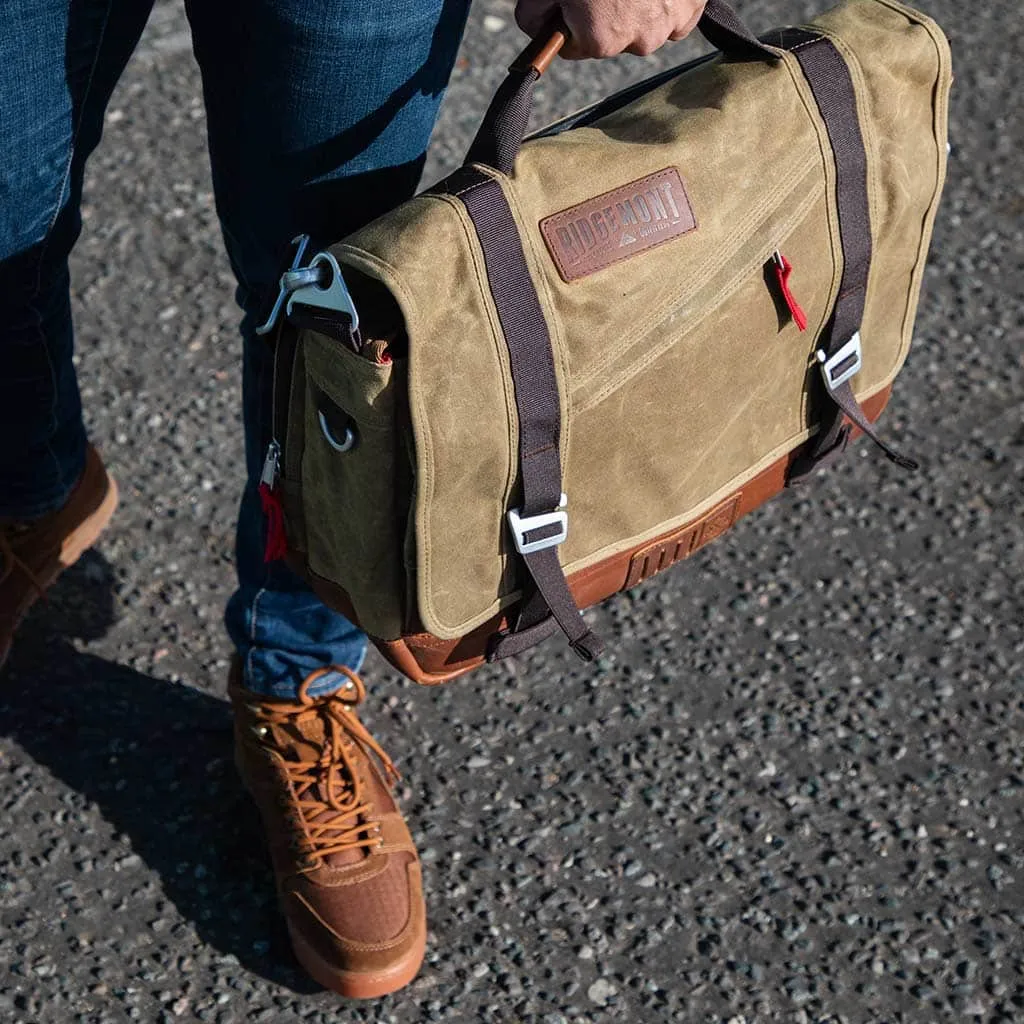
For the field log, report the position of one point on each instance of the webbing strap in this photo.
(832, 87)
(537, 409)
(504, 125)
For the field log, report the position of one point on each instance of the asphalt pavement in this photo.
(792, 791)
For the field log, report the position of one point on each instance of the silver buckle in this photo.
(522, 525)
(830, 365)
(301, 243)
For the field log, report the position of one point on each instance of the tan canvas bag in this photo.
(580, 358)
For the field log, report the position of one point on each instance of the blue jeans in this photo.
(319, 115)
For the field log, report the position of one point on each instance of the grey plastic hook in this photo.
(333, 296)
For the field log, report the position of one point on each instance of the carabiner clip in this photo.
(301, 242)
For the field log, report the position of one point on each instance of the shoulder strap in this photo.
(839, 347)
(540, 524)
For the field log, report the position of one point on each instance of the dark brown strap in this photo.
(722, 27)
(505, 124)
(832, 87)
(538, 411)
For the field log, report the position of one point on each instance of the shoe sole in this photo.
(356, 984)
(75, 545)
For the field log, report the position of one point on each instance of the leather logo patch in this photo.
(683, 543)
(624, 222)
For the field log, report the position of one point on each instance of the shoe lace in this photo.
(9, 560)
(336, 814)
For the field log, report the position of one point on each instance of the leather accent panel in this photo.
(619, 224)
(667, 551)
(428, 660)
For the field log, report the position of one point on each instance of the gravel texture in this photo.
(792, 791)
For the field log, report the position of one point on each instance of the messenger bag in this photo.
(582, 357)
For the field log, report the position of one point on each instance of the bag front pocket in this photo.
(356, 479)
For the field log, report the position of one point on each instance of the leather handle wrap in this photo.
(542, 49)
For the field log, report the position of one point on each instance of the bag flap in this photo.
(678, 377)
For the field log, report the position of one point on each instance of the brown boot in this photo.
(34, 553)
(348, 876)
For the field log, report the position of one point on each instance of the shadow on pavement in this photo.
(156, 758)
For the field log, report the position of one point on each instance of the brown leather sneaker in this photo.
(348, 875)
(34, 553)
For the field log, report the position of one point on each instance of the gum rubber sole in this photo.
(89, 532)
(354, 984)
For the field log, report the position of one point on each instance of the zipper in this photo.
(276, 545)
(271, 465)
(273, 509)
(618, 100)
(284, 361)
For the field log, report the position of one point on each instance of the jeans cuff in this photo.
(39, 507)
(284, 684)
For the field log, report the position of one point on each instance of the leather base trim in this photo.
(428, 660)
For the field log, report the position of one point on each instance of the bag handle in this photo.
(505, 124)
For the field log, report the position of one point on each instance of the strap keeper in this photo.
(589, 647)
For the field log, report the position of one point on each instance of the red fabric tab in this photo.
(783, 270)
(277, 540)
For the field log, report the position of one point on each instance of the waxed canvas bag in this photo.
(582, 357)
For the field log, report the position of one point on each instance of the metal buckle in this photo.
(301, 243)
(522, 525)
(333, 296)
(835, 373)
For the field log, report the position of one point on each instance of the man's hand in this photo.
(603, 28)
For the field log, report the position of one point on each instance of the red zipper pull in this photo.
(783, 269)
(270, 499)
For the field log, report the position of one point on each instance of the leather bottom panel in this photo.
(428, 660)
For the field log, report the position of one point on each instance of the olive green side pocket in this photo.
(356, 479)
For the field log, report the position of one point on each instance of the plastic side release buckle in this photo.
(522, 526)
(845, 363)
(333, 295)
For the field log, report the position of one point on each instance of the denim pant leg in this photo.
(59, 62)
(319, 118)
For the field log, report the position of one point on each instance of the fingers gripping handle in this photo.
(508, 117)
